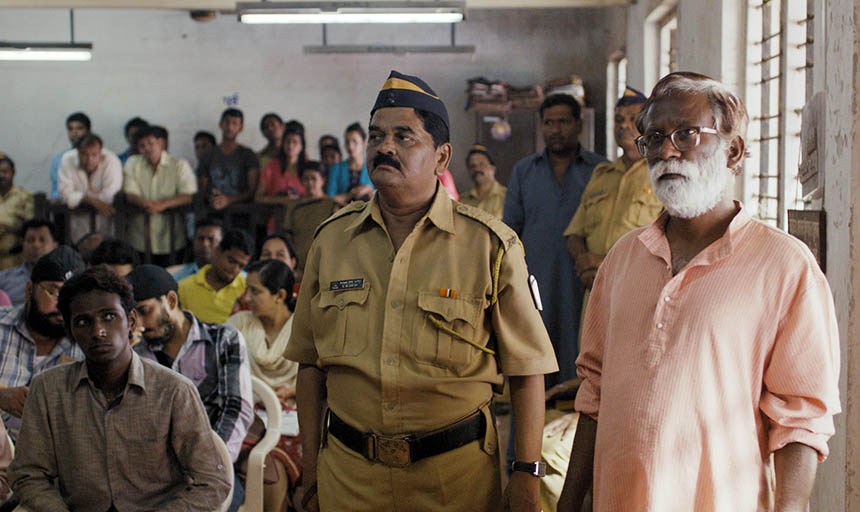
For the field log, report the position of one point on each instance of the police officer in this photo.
(411, 310)
(617, 199)
(487, 194)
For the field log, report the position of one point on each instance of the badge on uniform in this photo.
(448, 293)
(533, 286)
(347, 284)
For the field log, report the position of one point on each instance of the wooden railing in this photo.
(248, 216)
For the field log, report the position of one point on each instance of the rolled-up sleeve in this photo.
(801, 393)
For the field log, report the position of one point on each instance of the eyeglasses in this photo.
(683, 139)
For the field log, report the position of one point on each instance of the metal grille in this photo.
(779, 58)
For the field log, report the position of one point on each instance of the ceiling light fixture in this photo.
(31, 51)
(351, 12)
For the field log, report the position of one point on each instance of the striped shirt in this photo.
(695, 379)
(214, 357)
(18, 364)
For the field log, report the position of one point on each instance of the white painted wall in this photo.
(173, 71)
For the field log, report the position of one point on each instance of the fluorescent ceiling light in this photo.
(351, 12)
(18, 51)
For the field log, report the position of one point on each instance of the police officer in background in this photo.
(411, 310)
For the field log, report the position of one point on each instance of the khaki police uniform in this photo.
(301, 221)
(493, 203)
(390, 330)
(615, 201)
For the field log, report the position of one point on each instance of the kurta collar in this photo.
(655, 240)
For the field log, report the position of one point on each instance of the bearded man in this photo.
(32, 335)
(710, 352)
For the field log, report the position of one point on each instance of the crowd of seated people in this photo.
(220, 315)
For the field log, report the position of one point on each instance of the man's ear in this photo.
(132, 320)
(736, 152)
(28, 293)
(172, 300)
(443, 157)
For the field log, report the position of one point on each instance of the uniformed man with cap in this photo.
(487, 194)
(411, 309)
(617, 199)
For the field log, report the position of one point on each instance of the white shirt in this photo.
(74, 184)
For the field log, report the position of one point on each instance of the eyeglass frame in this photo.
(643, 149)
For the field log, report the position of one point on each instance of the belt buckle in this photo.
(391, 451)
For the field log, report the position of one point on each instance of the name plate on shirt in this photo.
(347, 284)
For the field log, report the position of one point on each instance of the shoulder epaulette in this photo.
(353, 207)
(507, 235)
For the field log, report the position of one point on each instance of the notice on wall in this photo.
(811, 228)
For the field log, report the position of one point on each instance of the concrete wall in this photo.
(836, 73)
(171, 70)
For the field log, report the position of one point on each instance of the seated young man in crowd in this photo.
(32, 336)
(132, 127)
(228, 172)
(213, 356)
(90, 175)
(212, 291)
(117, 254)
(77, 125)
(39, 238)
(301, 220)
(157, 181)
(16, 207)
(114, 432)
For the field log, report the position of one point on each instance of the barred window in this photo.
(616, 83)
(779, 32)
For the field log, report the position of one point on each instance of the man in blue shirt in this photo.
(77, 125)
(39, 238)
(543, 193)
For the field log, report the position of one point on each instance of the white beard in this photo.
(704, 184)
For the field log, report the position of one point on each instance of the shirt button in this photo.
(660, 325)
(391, 258)
(666, 299)
(389, 361)
(340, 303)
(668, 267)
(390, 406)
(395, 303)
(220, 466)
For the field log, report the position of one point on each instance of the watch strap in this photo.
(537, 469)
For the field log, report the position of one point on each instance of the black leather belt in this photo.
(400, 451)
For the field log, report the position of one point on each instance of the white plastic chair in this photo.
(257, 458)
(228, 464)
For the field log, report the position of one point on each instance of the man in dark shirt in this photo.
(228, 172)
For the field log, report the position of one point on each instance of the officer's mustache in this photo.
(383, 159)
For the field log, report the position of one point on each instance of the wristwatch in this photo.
(537, 469)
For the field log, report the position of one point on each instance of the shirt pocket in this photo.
(595, 210)
(434, 344)
(643, 210)
(342, 322)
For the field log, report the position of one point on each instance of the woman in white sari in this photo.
(266, 328)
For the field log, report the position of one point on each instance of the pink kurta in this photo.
(695, 379)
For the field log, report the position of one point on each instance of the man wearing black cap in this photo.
(213, 356)
(412, 309)
(487, 194)
(32, 336)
